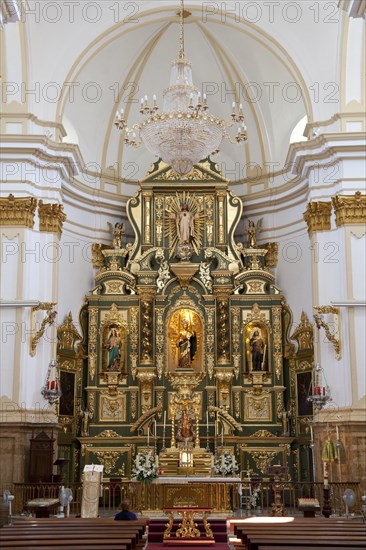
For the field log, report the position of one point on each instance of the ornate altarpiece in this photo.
(184, 323)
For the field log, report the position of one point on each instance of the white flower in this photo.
(144, 468)
(224, 464)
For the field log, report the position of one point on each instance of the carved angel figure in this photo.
(252, 230)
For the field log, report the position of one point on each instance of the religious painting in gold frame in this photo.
(185, 341)
(256, 344)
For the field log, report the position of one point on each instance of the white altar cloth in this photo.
(194, 479)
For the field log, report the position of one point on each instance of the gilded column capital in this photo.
(51, 217)
(18, 212)
(317, 216)
(350, 209)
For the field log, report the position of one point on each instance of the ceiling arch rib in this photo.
(227, 64)
(136, 70)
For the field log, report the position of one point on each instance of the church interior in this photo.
(183, 229)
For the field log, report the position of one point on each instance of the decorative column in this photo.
(210, 340)
(134, 338)
(221, 236)
(223, 327)
(338, 259)
(159, 341)
(30, 250)
(146, 307)
(147, 217)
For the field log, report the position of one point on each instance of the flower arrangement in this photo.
(225, 464)
(144, 468)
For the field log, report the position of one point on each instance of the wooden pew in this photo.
(77, 533)
(300, 532)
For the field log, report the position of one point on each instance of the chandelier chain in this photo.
(181, 39)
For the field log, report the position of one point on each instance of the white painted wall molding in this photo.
(18, 303)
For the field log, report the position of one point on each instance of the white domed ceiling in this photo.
(232, 59)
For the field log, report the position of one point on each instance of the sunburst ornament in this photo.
(184, 223)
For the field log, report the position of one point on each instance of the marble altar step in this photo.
(157, 528)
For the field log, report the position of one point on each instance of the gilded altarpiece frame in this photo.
(70, 358)
(142, 288)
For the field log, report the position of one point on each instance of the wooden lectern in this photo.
(92, 479)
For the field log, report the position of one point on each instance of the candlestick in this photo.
(148, 436)
(326, 474)
(137, 462)
(207, 420)
(222, 436)
(164, 426)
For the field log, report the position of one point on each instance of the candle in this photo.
(311, 433)
(148, 436)
(222, 462)
(337, 431)
(207, 420)
(164, 422)
(157, 461)
(326, 474)
(137, 462)
(234, 464)
(222, 436)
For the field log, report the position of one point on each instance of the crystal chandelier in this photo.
(185, 132)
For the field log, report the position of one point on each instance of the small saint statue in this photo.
(252, 238)
(118, 232)
(86, 415)
(257, 347)
(185, 430)
(113, 345)
(187, 344)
